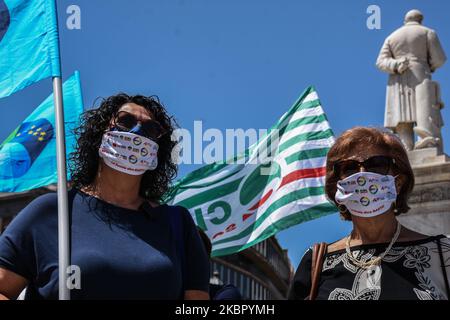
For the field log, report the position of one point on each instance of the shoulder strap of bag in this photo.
(444, 269)
(318, 253)
(177, 229)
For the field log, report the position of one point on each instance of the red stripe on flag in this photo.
(261, 201)
(302, 174)
(291, 177)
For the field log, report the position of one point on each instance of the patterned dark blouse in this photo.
(410, 271)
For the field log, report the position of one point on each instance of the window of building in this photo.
(222, 273)
(253, 290)
(247, 288)
(232, 279)
(244, 292)
(241, 283)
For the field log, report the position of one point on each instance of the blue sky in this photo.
(237, 64)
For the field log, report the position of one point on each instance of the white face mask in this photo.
(366, 194)
(128, 152)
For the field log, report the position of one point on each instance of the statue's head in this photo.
(414, 16)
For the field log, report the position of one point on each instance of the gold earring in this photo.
(342, 208)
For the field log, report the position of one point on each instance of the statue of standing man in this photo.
(413, 101)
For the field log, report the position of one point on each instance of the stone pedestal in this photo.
(430, 200)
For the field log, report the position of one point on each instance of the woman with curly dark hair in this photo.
(126, 244)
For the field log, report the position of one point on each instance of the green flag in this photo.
(276, 183)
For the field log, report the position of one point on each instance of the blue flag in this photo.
(28, 155)
(29, 49)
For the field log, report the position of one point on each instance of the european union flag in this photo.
(29, 49)
(28, 155)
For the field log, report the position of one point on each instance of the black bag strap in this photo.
(176, 223)
(444, 269)
(318, 253)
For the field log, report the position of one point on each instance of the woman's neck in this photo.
(116, 187)
(377, 229)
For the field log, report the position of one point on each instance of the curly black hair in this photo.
(84, 160)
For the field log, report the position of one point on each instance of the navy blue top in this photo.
(122, 253)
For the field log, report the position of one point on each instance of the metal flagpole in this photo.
(63, 206)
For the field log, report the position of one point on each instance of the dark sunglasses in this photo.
(376, 164)
(126, 121)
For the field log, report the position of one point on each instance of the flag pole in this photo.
(63, 206)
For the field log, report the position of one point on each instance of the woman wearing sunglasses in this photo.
(125, 243)
(369, 178)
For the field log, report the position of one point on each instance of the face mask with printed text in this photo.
(128, 152)
(366, 194)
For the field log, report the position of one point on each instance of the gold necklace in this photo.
(378, 259)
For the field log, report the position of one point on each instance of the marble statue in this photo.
(413, 101)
